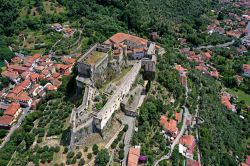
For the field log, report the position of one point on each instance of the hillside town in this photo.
(95, 85)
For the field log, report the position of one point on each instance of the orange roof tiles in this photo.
(178, 116)
(120, 37)
(225, 101)
(23, 97)
(12, 109)
(34, 76)
(187, 140)
(10, 74)
(55, 75)
(6, 120)
(68, 60)
(169, 125)
(192, 163)
(133, 156)
(16, 59)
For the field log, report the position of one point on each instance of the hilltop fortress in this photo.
(92, 66)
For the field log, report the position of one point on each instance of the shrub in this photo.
(89, 156)
(78, 155)
(125, 129)
(66, 149)
(95, 149)
(85, 149)
(81, 162)
(70, 154)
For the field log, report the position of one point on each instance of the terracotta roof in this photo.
(50, 87)
(39, 68)
(16, 59)
(34, 77)
(246, 67)
(133, 156)
(180, 68)
(120, 37)
(225, 101)
(62, 66)
(248, 160)
(19, 69)
(56, 75)
(68, 60)
(206, 55)
(187, 140)
(17, 89)
(23, 97)
(192, 163)
(12, 109)
(171, 126)
(163, 120)
(6, 120)
(25, 74)
(177, 116)
(10, 74)
(11, 96)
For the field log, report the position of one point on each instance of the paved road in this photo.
(217, 46)
(183, 128)
(25, 112)
(130, 121)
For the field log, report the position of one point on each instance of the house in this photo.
(13, 110)
(11, 75)
(16, 60)
(6, 121)
(246, 70)
(34, 77)
(57, 27)
(206, 56)
(35, 90)
(50, 87)
(242, 50)
(178, 116)
(61, 68)
(170, 126)
(190, 162)
(186, 146)
(238, 79)
(24, 99)
(226, 102)
(133, 156)
(68, 60)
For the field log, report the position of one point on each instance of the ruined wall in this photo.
(103, 116)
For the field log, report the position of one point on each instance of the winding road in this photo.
(183, 128)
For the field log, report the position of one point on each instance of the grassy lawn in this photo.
(241, 95)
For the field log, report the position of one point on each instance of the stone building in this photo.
(92, 63)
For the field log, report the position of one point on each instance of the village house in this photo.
(190, 162)
(170, 126)
(11, 75)
(133, 156)
(6, 121)
(182, 74)
(187, 145)
(13, 110)
(57, 27)
(246, 70)
(225, 100)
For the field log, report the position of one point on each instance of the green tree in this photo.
(95, 149)
(102, 157)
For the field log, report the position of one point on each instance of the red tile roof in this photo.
(10, 74)
(246, 67)
(19, 69)
(12, 109)
(34, 77)
(6, 120)
(55, 75)
(16, 59)
(120, 37)
(225, 101)
(248, 160)
(68, 60)
(187, 140)
(23, 97)
(192, 163)
(133, 156)
(169, 125)
(178, 116)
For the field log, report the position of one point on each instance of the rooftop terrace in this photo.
(94, 57)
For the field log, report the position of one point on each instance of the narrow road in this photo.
(217, 46)
(183, 128)
(130, 121)
(25, 112)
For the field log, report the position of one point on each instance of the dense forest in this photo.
(222, 131)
